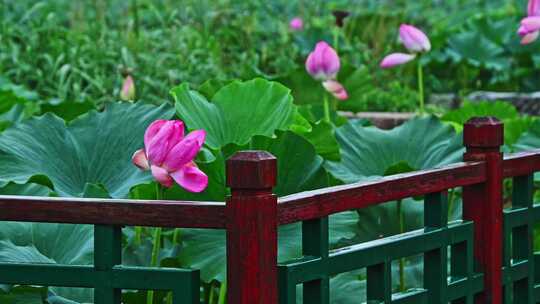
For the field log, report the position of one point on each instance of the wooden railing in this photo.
(491, 254)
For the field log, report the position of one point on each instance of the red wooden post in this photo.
(252, 229)
(482, 203)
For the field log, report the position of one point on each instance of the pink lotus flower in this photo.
(336, 89)
(414, 40)
(128, 89)
(169, 155)
(296, 24)
(323, 63)
(530, 26)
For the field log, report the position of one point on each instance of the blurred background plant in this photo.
(79, 51)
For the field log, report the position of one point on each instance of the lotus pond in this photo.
(146, 99)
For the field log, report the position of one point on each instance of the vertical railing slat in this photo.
(107, 254)
(435, 261)
(522, 238)
(379, 283)
(315, 243)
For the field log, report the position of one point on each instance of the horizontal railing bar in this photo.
(418, 296)
(121, 277)
(146, 278)
(376, 252)
(515, 217)
(113, 212)
(48, 275)
(521, 163)
(465, 286)
(323, 202)
(516, 272)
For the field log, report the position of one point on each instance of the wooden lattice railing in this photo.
(491, 253)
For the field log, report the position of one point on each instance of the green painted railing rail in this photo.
(486, 257)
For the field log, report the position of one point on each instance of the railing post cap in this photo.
(251, 170)
(483, 132)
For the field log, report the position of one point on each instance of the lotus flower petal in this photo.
(191, 178)
(168, 135)
(336, 89)
(522, 31)
(533, 8)
(414, 39)
(396, 59)
(341, 95)
(162, 176)
(529, 25)
(323, 63)
(529, 38)
(139, 159)
(185, 151)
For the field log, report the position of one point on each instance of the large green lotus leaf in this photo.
(299, 166)
(476, 49)
(29, 189)
(68, 110)
(530, 140)
(322, 137)
(368, 152)
(304, 88)
(204, 249)
(515, 128)
(95, 148)
(348, 288)
(238, 111)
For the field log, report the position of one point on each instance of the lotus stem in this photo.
(176, 236)
(135, 8)
(421, 86)
(336, 39)
(326, 108)
(138, 235)
(222, 293)
(211, 297)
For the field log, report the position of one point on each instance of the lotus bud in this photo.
(296, 24)
(128, 89)
(323, 63)
(414, 39)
